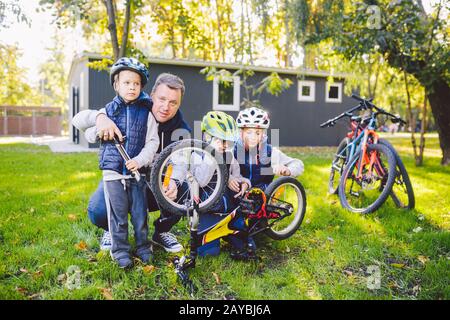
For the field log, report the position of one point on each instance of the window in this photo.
(333, 93)
(226, 95)
(306, 91)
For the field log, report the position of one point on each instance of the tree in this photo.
(14, 90)
(13, 7)
(70, 12)
(408, 39)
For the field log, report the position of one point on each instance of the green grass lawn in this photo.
(45, 235)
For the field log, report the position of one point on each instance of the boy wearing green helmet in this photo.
(220, 131)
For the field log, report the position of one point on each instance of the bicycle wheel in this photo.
(402, 191)
(286, 190)
(189, 163)
(337, 166)
(366, 192)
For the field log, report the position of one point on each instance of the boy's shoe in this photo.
(105, 243)
(125, 262)
(168, 241)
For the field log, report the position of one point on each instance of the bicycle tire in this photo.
(332, 179)
(299, 215)
(406, 180)
(155, 177)
(387, 188)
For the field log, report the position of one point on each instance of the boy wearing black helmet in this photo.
(131, 112)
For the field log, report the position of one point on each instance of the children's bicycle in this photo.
(365, 169)
(201, 175)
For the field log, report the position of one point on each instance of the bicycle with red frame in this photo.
(365, 167)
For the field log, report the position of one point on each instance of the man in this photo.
(166, 96)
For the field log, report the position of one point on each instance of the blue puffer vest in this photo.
(255, 166)
(131, 119)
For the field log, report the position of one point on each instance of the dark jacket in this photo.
(166, 129)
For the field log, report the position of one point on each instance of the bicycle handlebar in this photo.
(363, 104)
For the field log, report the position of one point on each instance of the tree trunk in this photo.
(126, 28)
(423, 129)
(112, 27)
(439, 98)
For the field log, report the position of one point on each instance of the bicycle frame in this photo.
(221, 229)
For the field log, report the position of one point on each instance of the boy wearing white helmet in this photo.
(260, 161)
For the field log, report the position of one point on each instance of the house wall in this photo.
(79, 78)
(298, 121)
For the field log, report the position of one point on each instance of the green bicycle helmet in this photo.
(220, 125)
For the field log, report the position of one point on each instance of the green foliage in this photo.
(14, 90)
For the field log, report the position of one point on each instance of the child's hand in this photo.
(234, 185)
(281, 170)
(171, 190)
(244, 188)
(132, 165)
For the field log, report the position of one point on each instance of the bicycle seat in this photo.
(356, 118)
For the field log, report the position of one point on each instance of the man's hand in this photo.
(171, 190)
(132, 165)
(281, 170)
(106, 128)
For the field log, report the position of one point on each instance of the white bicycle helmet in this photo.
(253, 118)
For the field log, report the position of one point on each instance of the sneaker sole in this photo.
(167, 249)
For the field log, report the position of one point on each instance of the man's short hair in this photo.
(170, 80)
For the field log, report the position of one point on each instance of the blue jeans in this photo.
(129, 197)
(98, 215)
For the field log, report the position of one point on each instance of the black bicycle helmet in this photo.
(132, 64)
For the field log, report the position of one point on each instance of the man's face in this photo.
(166, 102)
(128, 85)
(252, 137)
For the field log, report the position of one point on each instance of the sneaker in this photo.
(105, 243)
(167, 241)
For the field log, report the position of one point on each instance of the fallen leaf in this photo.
(288, 249)
(106, 293)
(418, 229)
(148, 269)
(81, 245)
(21, 290)
(416, 290)
(423, 259)
(216, 276)
(330, 239)
(72, 217)
(421, 217)
(23, 270)
(61, 278)
(37, 274)
(398, 265)
(348, 273)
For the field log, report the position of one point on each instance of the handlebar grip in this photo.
(354, 96)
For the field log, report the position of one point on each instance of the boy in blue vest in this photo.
(131, 112)
(259, 161)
